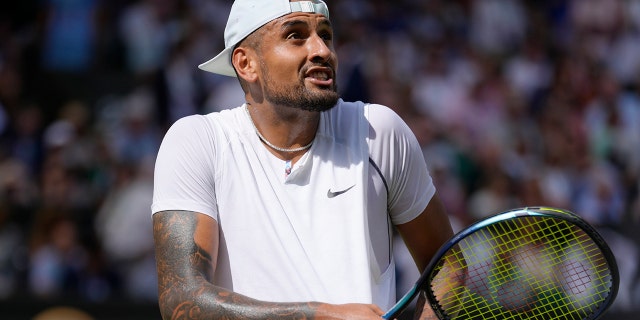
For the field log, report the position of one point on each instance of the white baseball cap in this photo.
(247, 16)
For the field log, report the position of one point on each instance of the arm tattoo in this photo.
(185, 274)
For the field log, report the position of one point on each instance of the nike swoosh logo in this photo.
(332, 194)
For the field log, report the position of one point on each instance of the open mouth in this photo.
(320, 76)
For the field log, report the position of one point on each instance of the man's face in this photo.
(298, 62)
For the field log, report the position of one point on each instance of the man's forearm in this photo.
(185, 272)
(210, 302)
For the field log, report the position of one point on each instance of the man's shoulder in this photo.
(350, 104)
(200, 121)
(366, 107)
(383, 118)
(378, 117)
(207, 128)
(361, 108)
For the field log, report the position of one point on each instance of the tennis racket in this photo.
(526, 263)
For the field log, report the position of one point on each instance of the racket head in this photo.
(520, 264)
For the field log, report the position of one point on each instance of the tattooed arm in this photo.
(186, 252)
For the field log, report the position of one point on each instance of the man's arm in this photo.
(425, 234)
(186, 252)
(423, 237)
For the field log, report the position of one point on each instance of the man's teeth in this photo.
(319, 75)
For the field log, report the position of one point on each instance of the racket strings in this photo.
(525, 267)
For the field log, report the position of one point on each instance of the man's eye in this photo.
(293, 35)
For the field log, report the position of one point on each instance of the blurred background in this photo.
(515, 103)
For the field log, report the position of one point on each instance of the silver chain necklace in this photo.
(271, 145)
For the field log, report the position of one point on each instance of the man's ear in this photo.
(244, 61)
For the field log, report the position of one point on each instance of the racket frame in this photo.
(551, 212)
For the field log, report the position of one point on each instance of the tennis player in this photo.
(284, 207)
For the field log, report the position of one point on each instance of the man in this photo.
(284, 207)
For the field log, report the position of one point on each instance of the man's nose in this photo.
(319, 49)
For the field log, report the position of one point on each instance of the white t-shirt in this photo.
(322, 233)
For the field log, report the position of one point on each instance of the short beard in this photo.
(298, 96)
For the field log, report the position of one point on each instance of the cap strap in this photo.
(310, 6)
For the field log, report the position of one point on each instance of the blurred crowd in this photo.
(515, 103)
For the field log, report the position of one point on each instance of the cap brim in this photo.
(220, 64)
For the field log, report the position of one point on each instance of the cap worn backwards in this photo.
(247, 16)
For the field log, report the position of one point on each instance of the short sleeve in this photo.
(184, 168)
(394, 147)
